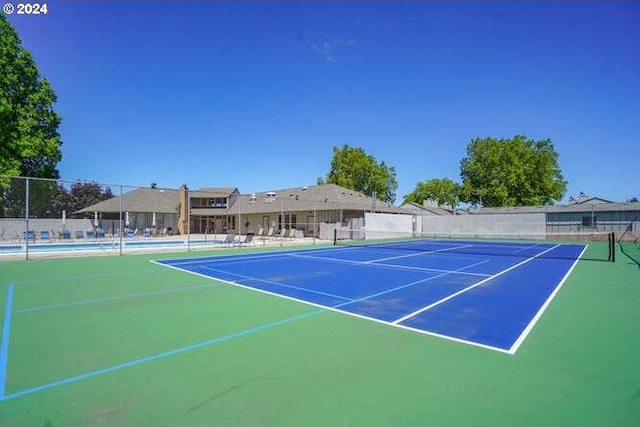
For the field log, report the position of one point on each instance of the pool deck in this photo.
(111, 245)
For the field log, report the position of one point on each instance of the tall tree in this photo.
(353, 168)
(81, 195)
(511, 172)
(443, 190)
(29, 138)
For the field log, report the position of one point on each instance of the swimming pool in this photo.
(102, 245)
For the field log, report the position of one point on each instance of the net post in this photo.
(335, 236)
(612, 247)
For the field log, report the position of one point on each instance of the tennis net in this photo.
(596, 246)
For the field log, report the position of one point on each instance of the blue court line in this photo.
(268, 282)
(4, 347)
(108, 299)
(83, 276)
(160, 355)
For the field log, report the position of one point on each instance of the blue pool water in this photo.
(102, 245)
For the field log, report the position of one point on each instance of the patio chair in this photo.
(270, 233)
(247, 240)
(100, 233)
(45, 236)
(91, 234)
(229, 240)
(292, 233)
(65, 235)
(283, 233)
(79, 234)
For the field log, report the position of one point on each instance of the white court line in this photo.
(337, 309)
(468, 288)
(240, 258)
(544, 306)
(244, 258)
(282, 285)
(416, 254)
(528, 247)
(386, 266)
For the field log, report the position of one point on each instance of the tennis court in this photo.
(419, 333)
(484, 293)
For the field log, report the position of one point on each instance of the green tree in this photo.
(29, 138)
(511, 172)
(444, 191)
(81, 195)
(355, 169)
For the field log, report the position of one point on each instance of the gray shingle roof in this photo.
(319, 197)
(308, 198)
(140, 200)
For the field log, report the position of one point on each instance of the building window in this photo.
(218, 202)
(289, 221)
(589, 221)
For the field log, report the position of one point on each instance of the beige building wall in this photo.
(183, 218)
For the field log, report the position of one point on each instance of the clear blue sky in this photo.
(256, 95)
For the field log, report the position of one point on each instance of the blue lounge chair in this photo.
(45, 236)
(230, 239)
(247, 239)
(65, 235)
(91, 234)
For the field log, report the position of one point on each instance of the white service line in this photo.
(415, 254)
(468, 288)
(387, 266)
(282, 285)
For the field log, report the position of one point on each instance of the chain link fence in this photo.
(58, 218)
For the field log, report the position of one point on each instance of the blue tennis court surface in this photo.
(486, 294)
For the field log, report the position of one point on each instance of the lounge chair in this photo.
(146, 233)
(91, 234)
(29, 235)
(45, 236)
(270, 233)
(65, 235)
(79, 234)
(229, 240)
(247, 240)
(100, 233)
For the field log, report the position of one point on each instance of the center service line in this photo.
(468, 288)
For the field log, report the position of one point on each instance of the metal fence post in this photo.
(26, 232)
